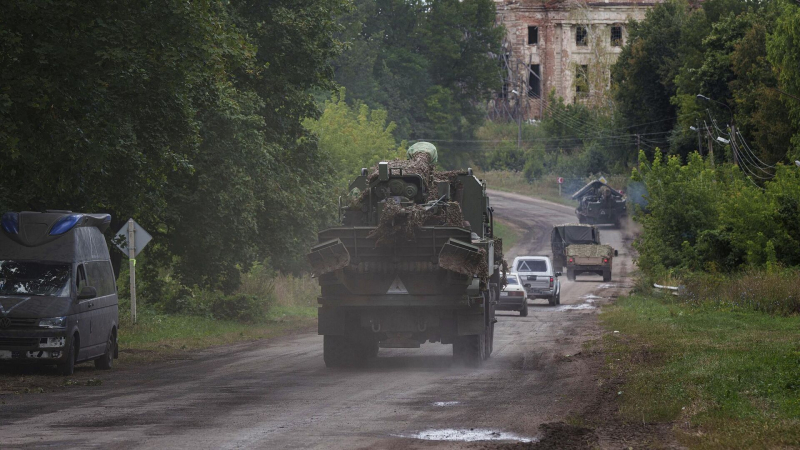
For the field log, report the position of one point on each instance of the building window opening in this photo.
(581, 36)
(616, 36)
(535, 82)
(533, 35)
(582, 81)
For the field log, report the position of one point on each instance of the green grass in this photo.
(724, 378)
(507, 232)
(161, 336)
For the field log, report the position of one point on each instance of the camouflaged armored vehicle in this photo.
(414, 261)
(599, 203)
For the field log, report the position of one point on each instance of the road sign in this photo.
(131, 239)
(141, 240)
(560, 180)
(603, 180)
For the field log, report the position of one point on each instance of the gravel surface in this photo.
(280, 395)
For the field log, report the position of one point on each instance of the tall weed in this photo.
(769, 291)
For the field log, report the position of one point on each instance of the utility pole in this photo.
(733, 144)
(710, 146)
(638, 143)
(699, 140)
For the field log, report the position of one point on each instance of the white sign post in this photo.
(131, 244)
(560, 182)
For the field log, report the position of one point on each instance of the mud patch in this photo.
(467, 435)
(575, 307)
(557, 435)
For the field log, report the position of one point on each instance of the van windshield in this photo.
(34, 278)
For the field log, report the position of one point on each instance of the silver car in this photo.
(538, 277)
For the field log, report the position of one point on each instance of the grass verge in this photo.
(724, 378)
(510, 181)
(507, 232)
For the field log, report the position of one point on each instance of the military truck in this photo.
(415, 260)
(599, 203)
(578, 249)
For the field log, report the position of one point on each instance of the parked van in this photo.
(58, 293)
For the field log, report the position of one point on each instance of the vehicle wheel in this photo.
(558, 299)
(524, 311)
(489, 341)
(368, 347)
(338, 351)
(607, 275)
(552, 301)
(470, 350)
(107, 360)
(67, 368)
(570, 274)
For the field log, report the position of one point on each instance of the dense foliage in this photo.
(743, 55)
(184, 115)
(705, 218)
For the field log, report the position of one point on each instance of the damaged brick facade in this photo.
(562, 46)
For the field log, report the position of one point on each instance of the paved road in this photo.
(280, 395)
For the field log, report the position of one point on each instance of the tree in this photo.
(783, 51)
(353, 137)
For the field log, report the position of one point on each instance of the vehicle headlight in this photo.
(54, 322)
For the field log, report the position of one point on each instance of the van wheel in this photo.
(558, 299)
(107, 360)
(552, 301)
(67, 368)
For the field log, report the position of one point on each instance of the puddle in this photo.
(571, 307)
(607, 286)
(466, 435)
(592, 297)
(445, 403)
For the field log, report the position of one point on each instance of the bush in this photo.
(239, 307)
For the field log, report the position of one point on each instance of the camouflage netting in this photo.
(499, 256)
(590, 251)
(474, 264)
(399, 224)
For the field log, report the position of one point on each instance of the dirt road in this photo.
(280, 395)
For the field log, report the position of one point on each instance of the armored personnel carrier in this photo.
(600, 204)
(415, 260)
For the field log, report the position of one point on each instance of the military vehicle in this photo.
(578, 249)
(599, 203)
(415, 260)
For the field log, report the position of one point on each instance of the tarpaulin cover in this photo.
(578, 235)
(77, 245)
(424, 147)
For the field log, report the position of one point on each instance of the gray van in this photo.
(58, 293)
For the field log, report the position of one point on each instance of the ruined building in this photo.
(566, 46)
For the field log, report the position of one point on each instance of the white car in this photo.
(538, 278)
(513, 297)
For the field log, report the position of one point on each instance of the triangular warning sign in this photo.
(397, 287)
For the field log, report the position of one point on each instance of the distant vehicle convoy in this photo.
(513, 297)
(577, 248)
(599, 203)
(58, 294)
(414, 260)
(538, 277)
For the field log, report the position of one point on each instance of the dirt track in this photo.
(280, 395)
